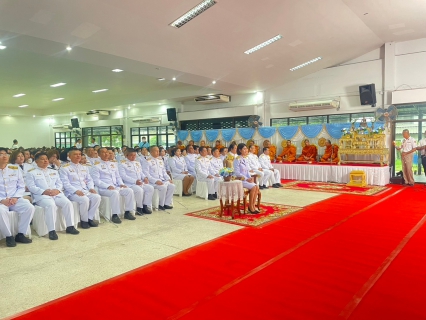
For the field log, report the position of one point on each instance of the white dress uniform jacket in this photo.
(190, 162)
(131, 172)
(177, 166)
(156, 171)
(12, 185)
(203, 169)
(255, 165)
(242, 170)
(39, 180)
(265, 162)
(76, 177)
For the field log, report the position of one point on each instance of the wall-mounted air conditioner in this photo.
(146, 120)
(314, 105)
(213, 98)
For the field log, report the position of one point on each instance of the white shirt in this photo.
(408, 144)
(422, 143)
(78, 145)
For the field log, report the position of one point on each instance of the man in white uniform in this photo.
(11, 192)
(256, 167)
(265, 162)
(216, 162)
(407, 149)
(190, 159)
(79, 187)
(131, 172)
(159, 179)
(45, 187)
(205, 173)
(106, 177)
(422, 146)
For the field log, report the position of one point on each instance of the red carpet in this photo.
(309, 265)
(333, 187)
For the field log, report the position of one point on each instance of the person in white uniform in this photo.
(11, 192)
(179, 171)
(407, 150)
(216, 162)
(205, 173)
(159, 179)
(79, 187)
(132, 175)
(190, 159)
(422, 146)
(107, 178)
(45, 186)
(256, 167)
(265, 162)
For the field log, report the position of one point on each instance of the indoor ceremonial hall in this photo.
(212, 159)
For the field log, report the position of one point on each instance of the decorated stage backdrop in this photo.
(276, 135)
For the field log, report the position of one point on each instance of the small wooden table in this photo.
(228, 193)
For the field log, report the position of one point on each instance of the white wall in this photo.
(29, 131)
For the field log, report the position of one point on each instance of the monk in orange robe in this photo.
(331, 153)
(288, 154)
(218, 145)
(180, 145)
(309, 152)
(272, 149)
(256, 147)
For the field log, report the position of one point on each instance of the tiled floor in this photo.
(45, 270)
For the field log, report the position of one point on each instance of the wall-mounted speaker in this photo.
(74, 123)
(171, 114)
(367, 95)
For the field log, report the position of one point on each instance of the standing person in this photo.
(179, 171)
(78, 144)
(79, 187)
(265, 162)
(407, 148)
(422, 146)
(14, 145)
(45, 187)
(93, 143)
(11, 192)
(144, 143)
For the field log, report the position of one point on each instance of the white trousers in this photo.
(143, 194)
(50, 204)
(25, 211)
(276, 177)
(263, 176)
(114, 195)
(212, 184)
(88, 204)
(165, 193)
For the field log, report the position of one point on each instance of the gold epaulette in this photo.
(96, 162)
(113, 160)
(13, 167)
(123, 161)
(66, 165)
(31, 170)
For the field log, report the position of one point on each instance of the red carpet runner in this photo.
(309, 265)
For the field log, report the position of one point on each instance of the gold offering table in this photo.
(364, 145)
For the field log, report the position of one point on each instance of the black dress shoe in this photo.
(161, 208)
(167, 207)
(115, 219)
(85, 225)
(139, 211)
(10, 242)
(93, 223)
(72, 230)
(265, 187)
(53, 235)
(146, 210)
(275, 186)
(253, 212)
(215, 195)
(129, 216)
(261, 187)
(186, 194)
(210, 197)
(22, 239)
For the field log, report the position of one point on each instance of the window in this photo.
(65, 139)
(156, 136)
(300, 121)
(334, 118)
(339, 118)
(107, 136)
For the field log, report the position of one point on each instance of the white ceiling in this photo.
(135, 35)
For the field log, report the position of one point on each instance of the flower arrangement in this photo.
(379, 130)
(226, 172)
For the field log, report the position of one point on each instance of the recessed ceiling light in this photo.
(174, 79)
(58, 84)
(214, 82)
(58, 99)
(19, 95)
(23, 106)
(117, 70)
(100, 90)
(2, 47)
(191, 14)
(128, 107)
(33, 115)
(133, 104)
(161, 79)
(69, 48)
(305, 64)
(264, 44)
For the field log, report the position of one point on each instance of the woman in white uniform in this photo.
(242, 172)
(179, 171)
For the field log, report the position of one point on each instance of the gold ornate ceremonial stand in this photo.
(364, 144)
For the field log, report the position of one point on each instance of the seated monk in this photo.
(309, 152)
(272, 149)
(180, 145)
(218, 145)
(331, 153)
(256, 147)
(288, 154)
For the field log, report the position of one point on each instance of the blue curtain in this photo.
(335, 129)
(212, 135)
(246, 133)
(182, 134)
(196, 135)
(312, 130)
(267, 132)
(288, 132)
(228, 134)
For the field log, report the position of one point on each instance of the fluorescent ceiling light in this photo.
(2, 47)
(264, 44)
(23, 106)
(305, 64)
(174, 79)
(58, 84)
(161, 79)
(58, 99)
(214, 82)
(19, 95)
(100, 90)
(117, 70)
(69, 48)
(191, 14)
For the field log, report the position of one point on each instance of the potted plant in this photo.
(226, 173)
